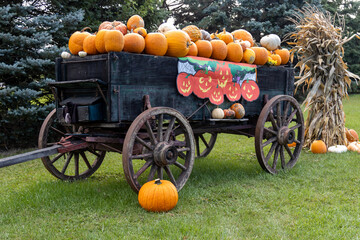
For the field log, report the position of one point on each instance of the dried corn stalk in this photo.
(319, 48)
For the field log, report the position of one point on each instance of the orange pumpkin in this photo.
(134, 43)
(115, 25)
(284, 54)
(193, 51)
(293, 144)
(219, 49)
(134, 22)
(248, 56)
(277, 58)
(261, 55)
(113, 41)
(204, 48)
(193, 32)
(244, 35)
(351, 135)
(156, 44)
(76, 41)
(99, 41)
(142, 31)
(178, 43)
(318, 146)
(238, 109)
(89, 44)
(234, 52)
(226, 37)
(158, 196)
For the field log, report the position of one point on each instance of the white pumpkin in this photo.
(217, 113)
(270, 42)
(337, 149)
(354, 146)
(82, 54)
(245, 44)
(205, 35)
(165, 27)
(65, 55)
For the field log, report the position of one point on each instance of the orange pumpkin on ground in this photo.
(219, 49)
(234, 52)
(89, 45)
(193, 32)
(113, 41)
(244, 35)
(261, 55)
(248, 56)
(284, 54)
(134, 43)
(134, 22)
(76, 41)
(142, 31)
(193, 51)
(178, 43)
(204, 48)
(318, 146)
(293, 144)
(351, 135)
(156, 44)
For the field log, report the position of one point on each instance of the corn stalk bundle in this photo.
(319, 48)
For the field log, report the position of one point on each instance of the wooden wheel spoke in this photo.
(271, 140)
(57, 131)
(273, 122)
(289, 152)
(171, 176)
(296, 127)
(179, 165)
(270, 131)
(278, 115)
(142, 156)
(169, 129)
(152, 172)
(197, 145)
(276, 156)
(287, 108)
(143, 169)
(273, 146)
(204, 141)
(76, 161)
(282, 157)
(150, 132)
(290, 117)
(142, 142)
(68, 159)
(160, 173)
(93, 152)
(85, 160)
(297, 141)
(160, 128)
(57, 157)
(179, 150)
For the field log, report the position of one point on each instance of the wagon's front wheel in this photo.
(150, 150)
(280, 123)
(73, 165)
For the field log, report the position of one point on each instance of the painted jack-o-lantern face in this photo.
(224, 76)
(250, 90)
(217, 96)
(184, 84)
(203, 84)
(233, 91)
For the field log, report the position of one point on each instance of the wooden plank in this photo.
(20, 158)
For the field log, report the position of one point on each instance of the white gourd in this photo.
(337, 149)
(82, 54)
(270, 42)
(217, 113)
(165, 27)
(65, 55)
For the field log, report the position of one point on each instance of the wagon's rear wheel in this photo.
(150, 151)
(280, 123)
(204, 143)
(74, 165)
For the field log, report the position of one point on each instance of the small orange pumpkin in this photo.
(193, 51)
(234, 52)
(156, 44)
(225, 36)
(318, 146)
(261, 55)
(238, 109)
(134, 22)
(244, 35)
(142, 31)
(277, 58)
(248, 56)
(134, 43)
(89, 44)
(178, 43)
(204, 48)
(158, 196)
(219, 49)
(293, 144)
(351, 135)
(284, 54)
(193, 32)
(113, 41)
(76, 41)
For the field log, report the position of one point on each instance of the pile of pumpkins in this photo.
(237, 46)
(235, 111)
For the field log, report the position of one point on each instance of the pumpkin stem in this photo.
(86, 28)
(158, 181)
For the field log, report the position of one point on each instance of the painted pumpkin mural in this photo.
(223, 75)
(217, 96)
(184, 84)
(233, 91)
(250, 90)
(203, 83)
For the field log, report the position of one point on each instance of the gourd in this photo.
(165, 27)
(205, 35)
(337, 149)
(244, 44)
(229, 113)
(284, 54)
(234, 52)
(193, 51)
(156, 44)
(158, 196)
(134, 43)
(89, 45)
(113, 41)
(134, 22)
(354, 146)
(261, 55)
(193, 32)
(178, 43)
(219, 49)
(142, 31)
(351, 135)
(318, 146)
(65, 55)
(217, 113)
(244, 35)
(76, 41)
(82, 54)
(204, 48)
(238, 109)
(270, 42)
(249, 56)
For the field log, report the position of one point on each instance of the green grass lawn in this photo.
(228, 196)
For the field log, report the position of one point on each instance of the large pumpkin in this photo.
(318, 146)
(244, 35)
(193, 32)
(270, 42)
(204, 48)
(99, 41)
(284, 54)
(351, 135)
(158, 196)
(156, 44)
(261, 55)
(219, 49)
(113, 41)
(76, 41)
(134, 22)
(89, 44)
(178, 43)
(134, 43)
(115, 25)
(234, 52)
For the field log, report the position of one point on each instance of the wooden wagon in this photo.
(129, 103)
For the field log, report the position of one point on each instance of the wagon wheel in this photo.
(74, 165)
(280, 123)
(149, 148)
(204, 143)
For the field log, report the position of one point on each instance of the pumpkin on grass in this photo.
(178, 43)
(76, 41)
(318, 146)
(156, 44)
(351, 135)
(158, 196)
(134, 43)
